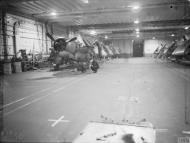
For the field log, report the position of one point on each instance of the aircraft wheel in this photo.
(83, 70)
(56, 67)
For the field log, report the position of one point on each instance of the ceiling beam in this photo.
(146, 31)
(161, 33)
(162, 23)
(145, 35)
(21, 14)
(7, 2)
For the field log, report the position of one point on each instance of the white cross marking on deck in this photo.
(57, 121)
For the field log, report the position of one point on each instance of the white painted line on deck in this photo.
(22, 106)
(186, 132)
(34, 94)
(179, 73)
(40, 98)
(57, 121)
(71, 83)
(162, 130)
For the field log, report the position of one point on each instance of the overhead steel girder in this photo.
(144, 35)
(7, 2)
(147, 31)
(11, 10)
(147, 34)
(161, 23)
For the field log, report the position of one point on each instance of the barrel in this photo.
(17, 67)
(7, 68)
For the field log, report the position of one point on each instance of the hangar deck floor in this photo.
(133, 89)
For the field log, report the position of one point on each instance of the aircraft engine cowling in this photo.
(66, 54)
(83, 50)
(81, 57)
(57, 60)
(71, 47)
(59, 44)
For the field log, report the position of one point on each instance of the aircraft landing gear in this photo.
(94, 66)
(56, 67)
(81, 68)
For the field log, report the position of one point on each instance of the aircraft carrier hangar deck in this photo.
(69, 64)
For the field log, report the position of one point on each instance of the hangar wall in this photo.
(28, 34)
(151, 45)
(125, 46)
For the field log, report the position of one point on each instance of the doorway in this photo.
(138, 48)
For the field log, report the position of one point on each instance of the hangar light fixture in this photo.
(85, 1)
(106, 37)
(135, 7)
(93, 32)
(153, 38)
(138, 36)
(53, 13)
(172, 35)
(137, 30)
(187, 27)
(136, 21)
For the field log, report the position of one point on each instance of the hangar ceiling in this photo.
(110, 18)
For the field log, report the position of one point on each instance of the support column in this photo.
(46, 39)
(42, 26)
(51, 28)
(14, 39)
(1, 104)
(4, 31)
